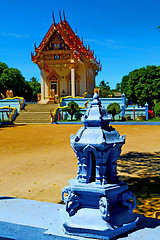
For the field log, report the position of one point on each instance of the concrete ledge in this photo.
(30, 220)
(117, 123)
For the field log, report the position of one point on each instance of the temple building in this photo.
(68, 67)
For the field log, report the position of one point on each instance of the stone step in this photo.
(34, 118)
(32, 121)
(35, 113)
(39, 107)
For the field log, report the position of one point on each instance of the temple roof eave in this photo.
(72, 40)
(39, 60)
(101, 146)
(96, 137)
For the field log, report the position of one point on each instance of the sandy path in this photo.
(37, 160)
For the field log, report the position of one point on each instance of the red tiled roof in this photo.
(70, 38)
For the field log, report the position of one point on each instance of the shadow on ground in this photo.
(146, 224)
(141, 171)
(10, 125)
(137, 164)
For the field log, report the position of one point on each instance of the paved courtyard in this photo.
(37, 162)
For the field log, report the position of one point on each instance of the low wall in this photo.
(9, 108)
(81, 101)
(16, 102)
(8, 114)
(138, 112)
(125, 110)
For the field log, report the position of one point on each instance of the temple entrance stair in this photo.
(35, 113)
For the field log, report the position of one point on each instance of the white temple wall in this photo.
(85, 79)
(82, 74)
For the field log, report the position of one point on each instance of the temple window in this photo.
(56, 56)
(91, 167)
(56, 45)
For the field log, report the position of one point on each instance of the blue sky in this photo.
(123, 33)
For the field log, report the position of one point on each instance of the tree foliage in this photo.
(36, 88)
(157, 109)
(142, 85)
(2, 67)
(104, 89)
(114, 109)
(72, 108)
(118, 87)
(12, 79)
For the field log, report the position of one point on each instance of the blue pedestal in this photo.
(87, 222)
(97, 211)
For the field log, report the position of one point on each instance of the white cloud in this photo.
(112, 44)
(15, 35)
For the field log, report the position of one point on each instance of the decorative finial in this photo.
(32, 55)
(146, 105)
(64, 16)
(53, 17)
(60, 17)
(35, 46)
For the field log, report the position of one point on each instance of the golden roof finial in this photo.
(53, 17)
(64, 16)
(60, 17)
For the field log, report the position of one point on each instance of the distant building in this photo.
(118, 94)
(68, 68)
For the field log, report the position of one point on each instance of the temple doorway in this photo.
(54, 87)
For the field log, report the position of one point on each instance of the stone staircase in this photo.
(35, 113)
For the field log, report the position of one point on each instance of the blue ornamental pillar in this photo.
(123, 105)
(123, 100)
(97, 203)
(146, 111)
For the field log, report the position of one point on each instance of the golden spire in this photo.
(53, 17)
(60, 17)
(64, 16)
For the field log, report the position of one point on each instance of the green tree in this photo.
(142, 85)
(11, 78)
(104, 89)
(157, 109)
(72, 108)
(114, 109)
(2, 67)
(36, 88)
(118, 87)
(124, 84)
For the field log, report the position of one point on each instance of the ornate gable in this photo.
(53, 76)
(56, 43)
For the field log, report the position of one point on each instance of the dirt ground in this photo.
(37, 162)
